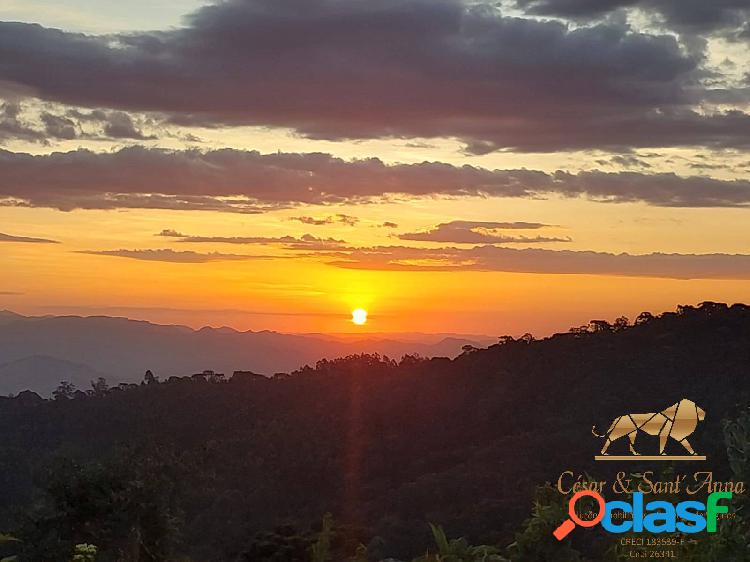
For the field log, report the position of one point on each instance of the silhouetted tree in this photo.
(99, 387)
(150, 378)
(64, 391)
(643, 318)
(621, 323)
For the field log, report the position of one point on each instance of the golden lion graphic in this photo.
(678, 422)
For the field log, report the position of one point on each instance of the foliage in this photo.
(459, 550)
(5, 540)
(535, 541)
(65, 390)
(126, 505)
(321, 550)
(84, 553)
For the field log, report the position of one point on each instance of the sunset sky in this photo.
(473, 167)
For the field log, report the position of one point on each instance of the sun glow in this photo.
(359, 316)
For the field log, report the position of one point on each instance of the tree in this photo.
(643, 318)
(65, 391)
(150, 378)
(125, 504)
(99, 387)
(621, 323)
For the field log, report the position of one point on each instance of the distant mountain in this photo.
(43, 374)
(6, 317)
(122, 349)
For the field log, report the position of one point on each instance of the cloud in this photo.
(171, 256)
(18, 122)
(27, 239)
(722, 17)
(481, 232)
(494, 258)
(306, 241)
(388, 224)
(251, 182)
(344, 69)
(59, 127)
(119, 125)
(12, 126)
(348, 220)
(629, 161)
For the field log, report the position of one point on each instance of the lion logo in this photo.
(678, 422)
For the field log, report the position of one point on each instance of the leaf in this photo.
(6, 539)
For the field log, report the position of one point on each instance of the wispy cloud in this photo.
(347, 220)
(306, 241)
(171, 256)
(481, 232)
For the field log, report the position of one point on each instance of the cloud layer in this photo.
(494, 258)
(341, 69)
(481, 232)
(251, 182)
(306, 241)
(722, 17)
(171, 256)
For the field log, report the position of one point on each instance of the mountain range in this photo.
(37, 352)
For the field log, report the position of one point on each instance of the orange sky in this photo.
(433, 211)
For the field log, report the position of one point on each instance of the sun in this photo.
(359, 316)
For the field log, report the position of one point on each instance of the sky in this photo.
(473, 167)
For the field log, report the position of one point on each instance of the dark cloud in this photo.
(306, 241)
(59, 127)
(494, 258)
(332, 219)
(12, 126)
(250, 182)
(16, 122)
(388, 224)
(27, 239)
(119, 125)
(339, 69)
(629, 161)
(172, 256)
(685, 16)
(481, 232)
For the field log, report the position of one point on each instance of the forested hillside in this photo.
(211, 468)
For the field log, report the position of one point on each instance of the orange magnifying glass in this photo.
(569, 524)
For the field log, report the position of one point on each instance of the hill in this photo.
(388, 446)
(43, 374)
(124, 348)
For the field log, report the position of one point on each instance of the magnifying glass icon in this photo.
(569, 524)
